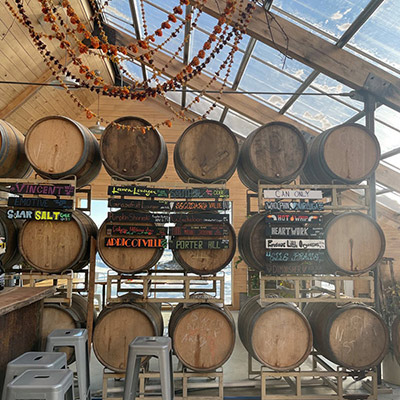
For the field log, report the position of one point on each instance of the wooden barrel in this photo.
(203, 335)
(54, 246)
(274, 153)
(13, 161)
(9, 233)
(58, 147)
(128, 260)
(118, 324)
(251, 241)
(206, 261)
(351, 335)
(396, 338)
(132, 155)
(354, 243)
(207, 151)
(277, 335)
(59, 316)
(344, 154)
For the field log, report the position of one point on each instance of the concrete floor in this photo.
(237, 384)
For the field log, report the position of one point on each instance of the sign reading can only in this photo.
(292, 194)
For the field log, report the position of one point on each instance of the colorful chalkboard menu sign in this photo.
(199, 193)
(286, 218)
(135, 242)
(294, 205)
(193, 230)
(138, 191)
(39, 215)
(199, 244)
(133, 230)
(38, 202)
(41, 189)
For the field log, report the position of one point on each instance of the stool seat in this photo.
(78, 339)
(33, 360)
(156, 346)
(46, 384)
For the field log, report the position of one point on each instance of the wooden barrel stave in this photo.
(58, 147)
(13, 161)
(205, 262)
(207, 152)
(274, 153)
(277, 335)
(54, 246)
(351, 335)
(203, 335)
(118, 324)
(132, 155)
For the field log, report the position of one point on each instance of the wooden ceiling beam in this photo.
(318, 53)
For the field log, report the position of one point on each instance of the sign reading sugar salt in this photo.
(292, 194)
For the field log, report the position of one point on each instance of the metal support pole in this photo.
(369, 108)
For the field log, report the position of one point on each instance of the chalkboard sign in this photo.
(199, 218)
(37, 202)
(294, 218)
(199, 244)
(199, 193)
(298, 256)
(199, 205)
(132, 230)
(153, 205)
(131, 216)
(48, 189)
(299, 244)
(39, 215)
(134, 242)
(211, 230)
(139, 191)
(294, 205)
(277, 230)
(292, 194)
(297, 269)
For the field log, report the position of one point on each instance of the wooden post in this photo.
(92, 275)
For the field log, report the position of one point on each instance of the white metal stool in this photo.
(78, 339)
(46, 384)
(157, 346)
(33, 360)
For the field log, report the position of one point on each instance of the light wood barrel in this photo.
(127, 260)
(9, 232)
(58, 147)
(355, 243)
(207, 151)
(13, 161)
(59, 316)
(351, 335)
(54, 246)
(116, 327)
(274, 153)
(251, 241)
(203, 335)
(205, 262)
(132, 155)
(396, 338)
(344, 154)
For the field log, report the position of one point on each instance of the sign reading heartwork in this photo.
(294, 205)
(39, 215)
(292, 194)
(199, 244)
(295, 244)
(132, 230)
(135, 242)
(29, 202)
(48, 189)
(292, 230)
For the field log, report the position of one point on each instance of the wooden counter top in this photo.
(13, 298)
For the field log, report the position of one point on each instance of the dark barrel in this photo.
(9, 233)
(207, 151)
(132, 155)
(351, 335)
(55, 246)
(13, 161)
(118, 324)
(344, 154)
(273, 153)
(206, 261)
(277, 335)
(58, 147)
(128, 260)
(203, 335)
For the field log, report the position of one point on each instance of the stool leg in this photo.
(166, 377)
(132, 379)
(82, 369)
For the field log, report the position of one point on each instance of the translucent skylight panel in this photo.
(120, 24)
(389, 116)
(239, 124)
(321, 111)
(120, 9)
(262, 78)
(333, 16)
(380, 35)
(168, 6)
(276, 58)
(393, 161)
(202, 107)
(388, 138)
(390, 200)
(134, 69)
